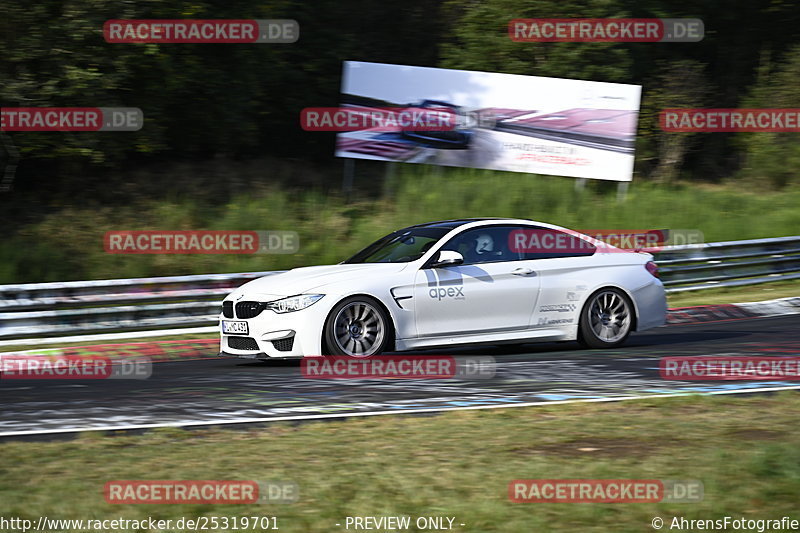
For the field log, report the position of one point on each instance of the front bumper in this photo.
(274, 335)
(269, 345)
(256, 356)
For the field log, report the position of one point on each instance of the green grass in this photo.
(67, 244)
(743, 449)
(752, 293)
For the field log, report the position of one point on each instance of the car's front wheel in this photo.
(357, 326)
(606, 319)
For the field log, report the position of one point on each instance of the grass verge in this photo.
(458, 464)
(752, 293)
(67, 244)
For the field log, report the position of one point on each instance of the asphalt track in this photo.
(228, 391)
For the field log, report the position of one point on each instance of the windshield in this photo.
(401, 246)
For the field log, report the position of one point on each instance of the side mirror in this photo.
(448, 258)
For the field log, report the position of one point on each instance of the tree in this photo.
(680, 84)
(478, 40)
(773, 159)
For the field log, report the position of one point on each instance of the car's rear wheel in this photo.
(606, 319)
(357, 326)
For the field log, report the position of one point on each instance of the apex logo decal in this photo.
(456, 293)
(559, 308)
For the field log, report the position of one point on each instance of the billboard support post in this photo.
(8, 163)
(388, 179)
(622, 191)
(347, 178)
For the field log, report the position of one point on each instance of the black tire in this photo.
(357, 326)
(606, 320)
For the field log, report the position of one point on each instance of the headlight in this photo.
(294, 303)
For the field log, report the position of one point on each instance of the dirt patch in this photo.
(757, 434)
(595, 447)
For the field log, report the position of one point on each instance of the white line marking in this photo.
(192, 423)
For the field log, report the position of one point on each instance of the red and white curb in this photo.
(723, 312)
(155, 351)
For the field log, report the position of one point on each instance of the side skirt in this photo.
(569, 333)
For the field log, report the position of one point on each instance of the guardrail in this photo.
(729, 264)
(114, 305)
(140, 304)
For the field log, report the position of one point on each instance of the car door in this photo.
(565, 266)
(494, 290)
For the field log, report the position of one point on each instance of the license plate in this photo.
(234, 327)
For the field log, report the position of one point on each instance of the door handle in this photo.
(522, 272)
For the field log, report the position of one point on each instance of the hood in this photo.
(312, 279)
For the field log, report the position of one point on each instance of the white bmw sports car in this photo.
(455, 282)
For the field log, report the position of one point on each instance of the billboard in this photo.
(562, 127)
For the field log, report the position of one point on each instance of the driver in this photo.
(484, 248)
(484, 244)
